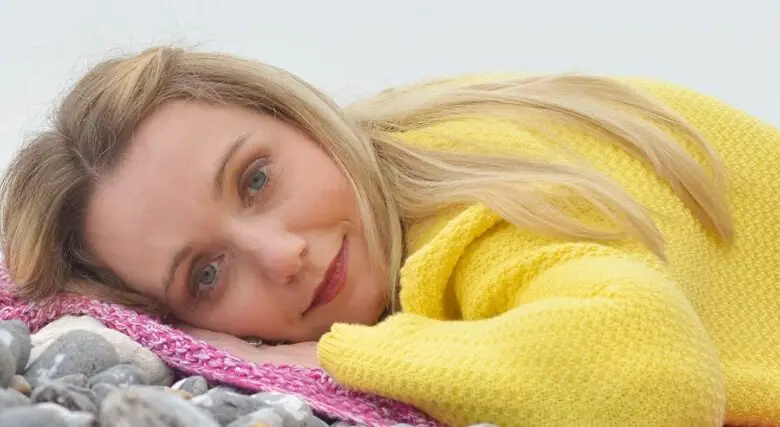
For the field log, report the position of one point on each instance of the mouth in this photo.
(333, 282)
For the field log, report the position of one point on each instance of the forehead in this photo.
(161, 193)
(181, 131)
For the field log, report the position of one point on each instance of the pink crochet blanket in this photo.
(191, 356)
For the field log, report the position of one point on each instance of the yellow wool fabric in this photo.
(502, 325)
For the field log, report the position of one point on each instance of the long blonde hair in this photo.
(49, 183)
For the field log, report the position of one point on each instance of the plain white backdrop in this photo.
(730, 49)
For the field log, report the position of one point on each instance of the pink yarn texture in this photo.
(192, 356)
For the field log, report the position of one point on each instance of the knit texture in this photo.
(191, 356)
(502, 325)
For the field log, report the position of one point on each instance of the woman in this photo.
(538, 250)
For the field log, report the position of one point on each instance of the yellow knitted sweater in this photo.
(502, 325)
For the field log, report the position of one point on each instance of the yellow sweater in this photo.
(501, 325)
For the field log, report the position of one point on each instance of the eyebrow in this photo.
(219, 177)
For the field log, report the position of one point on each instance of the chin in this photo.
(365, 317)
(371, 315)
(368, 314)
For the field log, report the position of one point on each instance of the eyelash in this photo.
(257, 165)
(194, 282)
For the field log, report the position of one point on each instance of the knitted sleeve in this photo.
(594, 340)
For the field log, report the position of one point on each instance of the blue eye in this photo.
(254, 180)
(205, 279)
(258, 179)
(208, 275)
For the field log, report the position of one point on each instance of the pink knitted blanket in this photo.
(195, 357)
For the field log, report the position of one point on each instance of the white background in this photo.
(728, 48)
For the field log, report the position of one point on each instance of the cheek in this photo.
(324, 194)
(242, 309)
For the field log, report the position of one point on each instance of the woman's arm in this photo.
(615, 344)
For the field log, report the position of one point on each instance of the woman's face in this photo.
(239, 223)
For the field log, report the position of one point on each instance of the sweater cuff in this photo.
(350, 351)
(330, 347)
(336, 349)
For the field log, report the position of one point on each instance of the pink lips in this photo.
(333, 281)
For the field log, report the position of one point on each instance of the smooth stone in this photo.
(313, 421)
(79, 380)
(7, 365)
(286, 404)
(128, 350)
(231, 389)
(45, 415)
(121, 375)
(10, 398)
(18, 383)
(101, 390)
(68, 396)
(226, 406)
(195, 385)
(75, 352)
(178, 393)
(266, 417)
(16, 335)
(150, 407)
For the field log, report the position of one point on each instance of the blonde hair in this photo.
(49, 183)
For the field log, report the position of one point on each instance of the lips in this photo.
(333, 282)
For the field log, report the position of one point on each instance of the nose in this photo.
(278, 253)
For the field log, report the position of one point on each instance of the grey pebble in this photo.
(10, 398)
(101, 390)
(223, 387)
(79, 380)
(18, 383)
(74, 352)
(226, 406)
(314, 422)
(266, 417)
(66, 395)
(45, 415)
(195, 385)
(7, 365)
(150, 407)
(16, 335)
(121, 375)
(288, 406)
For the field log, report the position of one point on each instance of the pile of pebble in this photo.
(78, 381)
